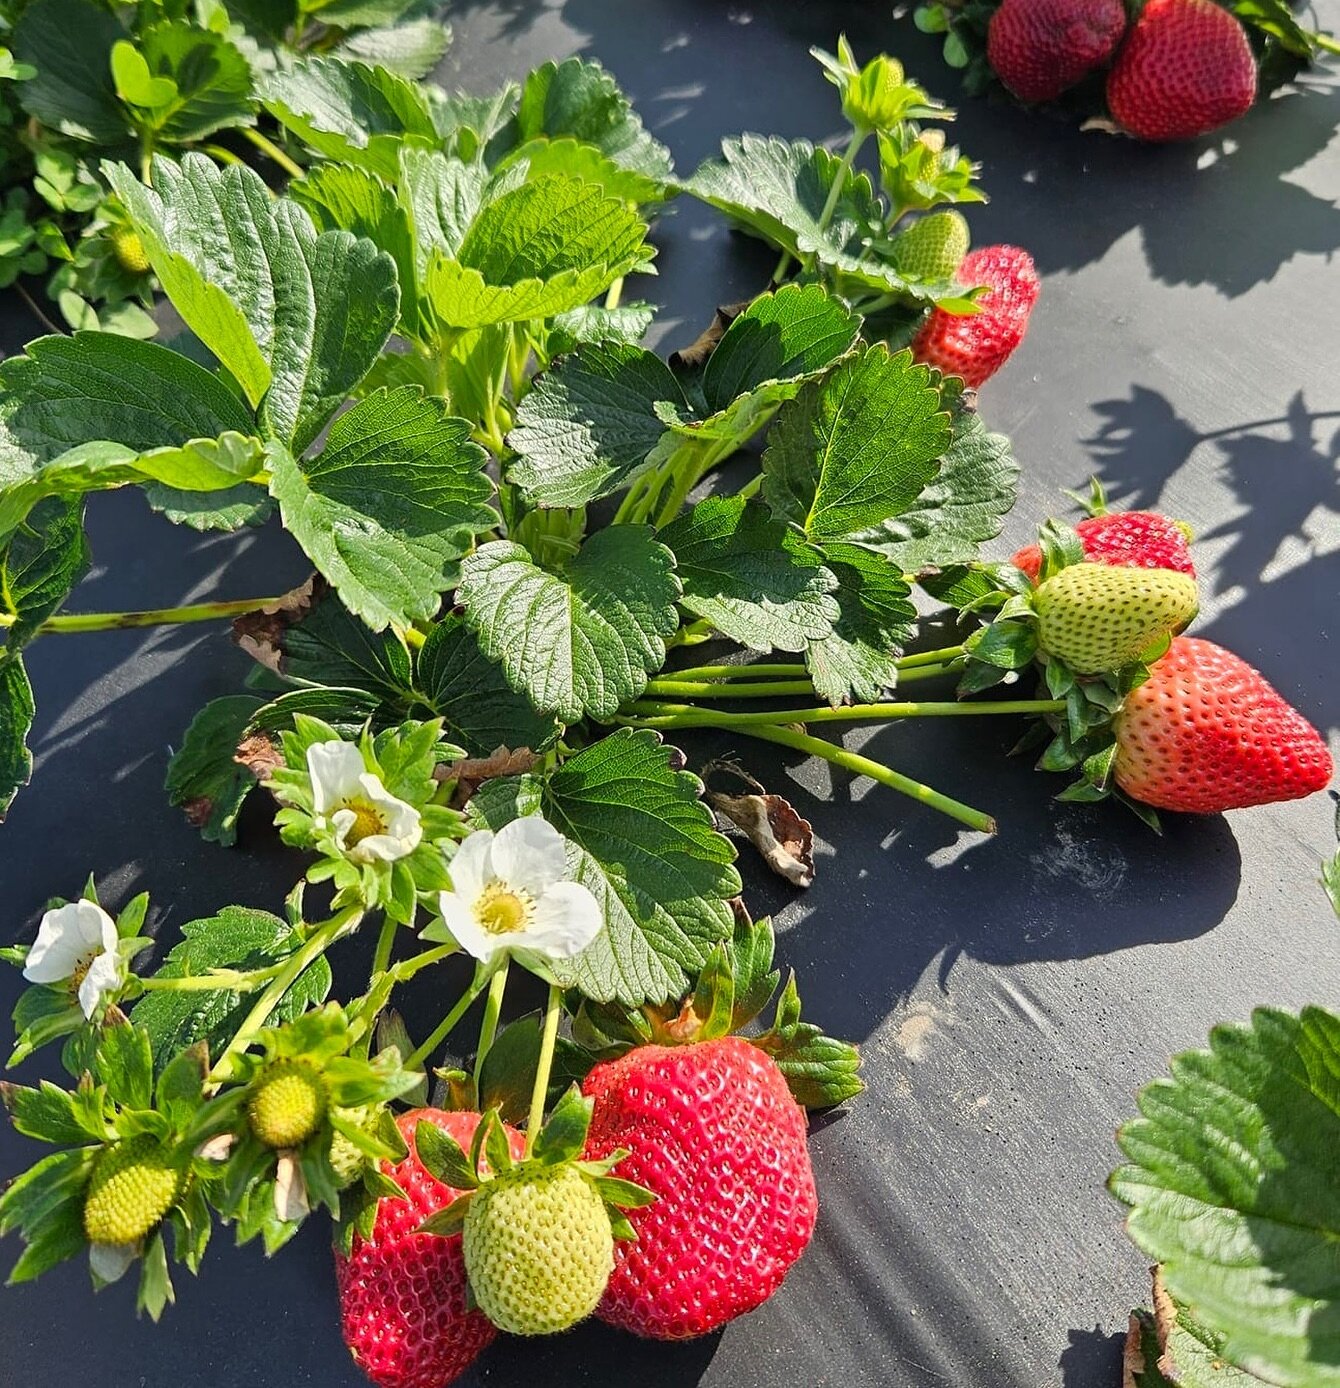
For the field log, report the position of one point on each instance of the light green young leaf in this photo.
(579, 98)
(349, 112)
(442, 197)
(534, 251)
(1232, 1187)
(389, 506)
(16, 720)
(575, 159)
(857, 446)
(752, 576)
(70, 44)
(581, 641)
(645, 844)
(589, 427)
(211, 81)
(858, 659)
(963, 506)
(461, 684)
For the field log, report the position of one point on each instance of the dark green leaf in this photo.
(820, 1071)
(212, 80)
(589, 426)
(388, 507)
(483, 712)
(751, 576)
(70, 44)
(235, 938)
(44, 560)
(331, 647)
(583, 641)
(16, 720)
(204, 778)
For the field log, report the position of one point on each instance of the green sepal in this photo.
(979, 675)
(444, 1157)
(621, 1226)
(1061, 546)
(155, 1290)
(714, 996)
(624, 1195)
(1007, 644)
(562, 1138)
(497, 1151)
(819, 1070)
(449, 1220)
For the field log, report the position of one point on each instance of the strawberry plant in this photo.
(421, 360)
(1161, 70)
(84, 80)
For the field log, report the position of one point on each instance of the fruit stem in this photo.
(614, 294)
(489, 1027)
(383, 983)
(663, 715)
(317, 943)
(858, 138)
(271, 150)
(448, 1023)
(161, 616)
(739, 689)
(553, 1009)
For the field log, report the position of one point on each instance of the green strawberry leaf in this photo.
(412, 49)
(858, 659)
(959, 509)
(577, 160)
(856, 447)
(589, 426)
(210, 81)
(330, 647)
(17, 710)
(204, 778)
(297, 317)
(643, 841)
(483, 712)
(507, 1079)
(236, 938)
(70, 44)
(348, 112)
(593, 323)
(750, 575)
(389, 506)
(1232, 1188)
(225, 510)
(534, 251)
(819, 1070)
(581, 641)
(578, 98)
(43, 561)
(779, 190)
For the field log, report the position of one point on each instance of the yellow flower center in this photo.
(501, 911)
(367, 821)
(82, 965)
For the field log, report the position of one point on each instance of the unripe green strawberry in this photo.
(538, 1248)
(1098, 618)
(346, 1160)
(287, 1104)
(133, 1186)
(932, 248)
(129, 251)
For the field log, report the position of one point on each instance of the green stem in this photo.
(552, 1011)
(317, 943)
(160, 616)
(615, 294)
(1326, 43)
(858, 138)
(688, 716)
(216, 981)
(783, 265)
(877, 771)
(698, 689)
(740, 672)
(941, 657)
(751, 488)
(222, 155)
(489, 1027)
(448, 1023)
(147, 158)
(271, 150)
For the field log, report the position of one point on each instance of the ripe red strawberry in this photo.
(1125, 539)
(402, 1294)
(1186, 68)
(1206, 733)
(1041, 48)
(714, 1132)
(975, 346)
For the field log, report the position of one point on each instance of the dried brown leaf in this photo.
(261, 633)
(471, 772)
(260, 754)
(695, 355)
(772, 825)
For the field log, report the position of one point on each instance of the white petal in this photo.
(466, 930)
(335, 769)
(103, 976)
(381, 848)
(342, 821)
(65, 936)
(472, 867)
(566, 919)
(110, 1261)
(529, 855)
(290, 1189)
(217, 1148)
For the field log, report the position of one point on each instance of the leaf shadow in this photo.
(1091, 1357)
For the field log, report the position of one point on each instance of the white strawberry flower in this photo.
(370, 824)
(78, 942)
(512, 896)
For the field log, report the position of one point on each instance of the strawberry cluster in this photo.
(1196, 729)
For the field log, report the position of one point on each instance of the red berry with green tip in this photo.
(1206, 733)
(1186, 68)
(1125, 539)
(976, 345)
(402, 1293)
(714, 1133)
(1041, 48)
